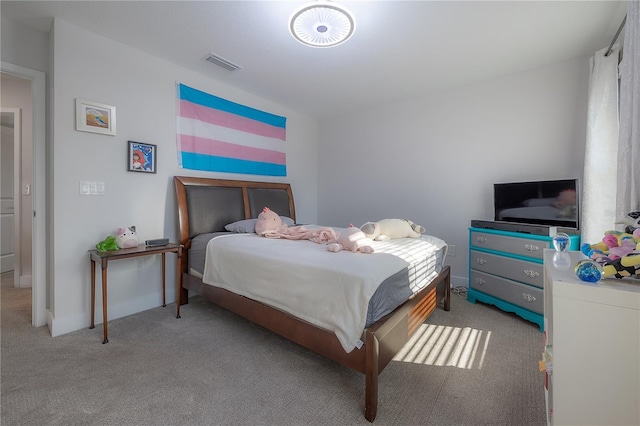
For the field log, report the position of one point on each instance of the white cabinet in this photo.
(592, 346)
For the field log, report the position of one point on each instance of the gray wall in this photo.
(144, 94)
(24, 46)
(434, 160)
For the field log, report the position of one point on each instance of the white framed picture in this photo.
(95, 117)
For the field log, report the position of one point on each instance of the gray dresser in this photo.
(506, 270)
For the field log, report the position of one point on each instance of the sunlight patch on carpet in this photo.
(446, 346)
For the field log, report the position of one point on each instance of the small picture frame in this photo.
(142, 157)
(95, 117)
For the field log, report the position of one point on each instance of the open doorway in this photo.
(16, 172)
(10, 248)
(23, 89)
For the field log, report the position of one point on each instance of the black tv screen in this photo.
(549, 202)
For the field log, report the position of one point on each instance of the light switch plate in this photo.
(91, 188)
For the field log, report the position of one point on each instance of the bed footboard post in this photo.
(372, 347)
(184, 296)
(443, 288)
(447, 289)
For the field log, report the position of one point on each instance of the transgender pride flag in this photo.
(215, 134)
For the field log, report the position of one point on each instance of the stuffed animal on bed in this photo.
(387, 229)
(351, 239)
(270, 225)
(269, 222)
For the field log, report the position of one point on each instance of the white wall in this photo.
(24, 46)
(142, 88)
(434, 160)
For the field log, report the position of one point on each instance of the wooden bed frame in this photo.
(383, 340)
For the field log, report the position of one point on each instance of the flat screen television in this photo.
(548, 202)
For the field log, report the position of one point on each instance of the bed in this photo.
(206, 206)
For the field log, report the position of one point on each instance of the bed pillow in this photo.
(248, 226)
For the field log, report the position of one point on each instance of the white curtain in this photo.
(601, 152)
(629, 141)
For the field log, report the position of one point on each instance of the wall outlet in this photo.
(451, 251)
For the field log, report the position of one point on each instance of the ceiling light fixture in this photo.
(322, 24)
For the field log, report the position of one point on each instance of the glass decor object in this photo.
(588, 270)
(561, 242)
(561, 260)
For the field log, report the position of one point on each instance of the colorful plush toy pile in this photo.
(618, 254)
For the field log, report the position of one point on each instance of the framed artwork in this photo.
(142, 157)
(95, 118)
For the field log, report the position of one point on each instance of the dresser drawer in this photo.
(515, 269)
(522, 246)
(522, 295)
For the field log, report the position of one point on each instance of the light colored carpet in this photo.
(474, 365)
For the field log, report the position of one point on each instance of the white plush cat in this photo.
(126, 237)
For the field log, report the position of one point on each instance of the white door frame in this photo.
(39, 311)
(17, 205)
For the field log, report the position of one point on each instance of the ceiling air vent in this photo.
(222, 62)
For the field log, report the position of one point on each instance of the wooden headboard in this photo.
(207, 205)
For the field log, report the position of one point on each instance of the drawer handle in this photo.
(528, 297)
(531, 273)
(531, 247)
(480, 261)
(481, 239)
(480, 281)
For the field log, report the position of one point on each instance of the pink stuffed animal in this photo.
(269, 222)
(352, 239)
(270, 225)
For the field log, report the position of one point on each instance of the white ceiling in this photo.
(400, 50)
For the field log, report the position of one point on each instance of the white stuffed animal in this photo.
(387, 229)
(126, 237)
(352, 239)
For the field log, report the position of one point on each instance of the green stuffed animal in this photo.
(108, 244)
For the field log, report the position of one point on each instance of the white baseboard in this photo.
(59, 326)
(26, 281)
(459, 281)
(50, 322)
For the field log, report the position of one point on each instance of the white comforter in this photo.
(330, 290)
